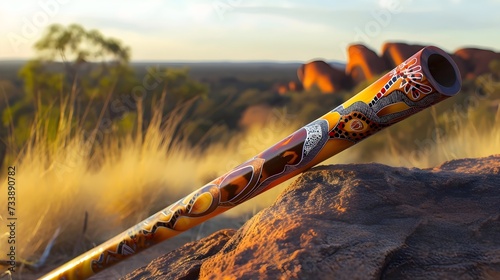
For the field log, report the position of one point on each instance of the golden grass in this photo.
(125, 179)
(463, 136)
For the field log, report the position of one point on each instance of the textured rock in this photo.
(476, 60)
(364, 64)
(322, 75)
(396, 53)
(185, 262)
(364, 221)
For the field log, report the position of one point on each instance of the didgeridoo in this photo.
(425, 79)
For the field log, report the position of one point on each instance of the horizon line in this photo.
(188, 61)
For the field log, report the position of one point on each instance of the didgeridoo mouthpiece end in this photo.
(441, 71)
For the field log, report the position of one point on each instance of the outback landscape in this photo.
(100, 142)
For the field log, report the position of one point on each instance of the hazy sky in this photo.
(255, 29)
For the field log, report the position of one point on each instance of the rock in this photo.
(322, 75)
(185, 262)
(282, 89)
(364, 64)
(295, 86)
(462, 67)
(471, 62)
(360, 221)
(396, 53)
(476, 61)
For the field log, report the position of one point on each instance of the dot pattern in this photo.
(341, 132)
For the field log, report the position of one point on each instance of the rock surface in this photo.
(363, 63)
(476, 61)
(397, 53)
(322, 75)
(364, 221)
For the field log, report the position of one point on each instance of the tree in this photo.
(77, 65)
(86, 77)
(69, 83)
(74, 43)
(74, 59)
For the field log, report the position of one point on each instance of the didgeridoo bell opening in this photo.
(441, 71)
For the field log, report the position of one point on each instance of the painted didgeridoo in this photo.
(426, 78)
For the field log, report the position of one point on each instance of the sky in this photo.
(249, 30)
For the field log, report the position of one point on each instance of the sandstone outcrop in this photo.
(295, 86)
(292, 86)
(476, 61)
(321, 75)
(396, 53)
(364, 64)
(359, 221)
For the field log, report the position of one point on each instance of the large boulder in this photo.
(476, 61)
(185, 262)
(292, 86)
(364, 64)
(396, 53)
(359, 221)
(321, 75)
(281, 89)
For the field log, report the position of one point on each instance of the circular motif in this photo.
(356, 125)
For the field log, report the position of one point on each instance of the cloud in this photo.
(304, 15)
(259, 27)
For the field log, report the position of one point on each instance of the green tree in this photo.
(88, 62)
(75, 74)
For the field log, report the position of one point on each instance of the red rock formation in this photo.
(460, 64)
(295, 86)
(396, 53)
(477, 61)
(320, 74)
(282, 89)
(364, 64)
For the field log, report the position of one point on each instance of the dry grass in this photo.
(107, 186)
(463, 136)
